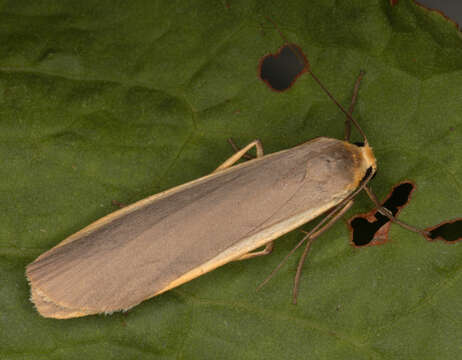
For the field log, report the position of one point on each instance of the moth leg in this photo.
(310, 239)
(241, 153)
(385, 212)
(267, 250)
(236, 149)
(352, 106)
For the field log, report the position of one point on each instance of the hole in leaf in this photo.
(450, 231)
(372, 228)
(280, 71)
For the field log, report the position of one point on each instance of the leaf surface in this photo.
(104, 101)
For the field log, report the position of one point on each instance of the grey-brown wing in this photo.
(122, 262)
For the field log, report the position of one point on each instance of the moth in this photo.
(170, 238)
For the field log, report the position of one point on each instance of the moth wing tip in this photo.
(46, 307)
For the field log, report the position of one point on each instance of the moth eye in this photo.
(359, 143)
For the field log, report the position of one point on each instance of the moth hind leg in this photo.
(240, 154)
(266, 251)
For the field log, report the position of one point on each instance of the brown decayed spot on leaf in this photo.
(448, 231)
(280, 71)
(393, 2)
(372, 228)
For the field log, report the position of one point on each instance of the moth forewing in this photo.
(170, 238)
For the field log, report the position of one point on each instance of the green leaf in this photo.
(106, 100)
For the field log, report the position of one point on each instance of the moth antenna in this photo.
(307, 67)
(347, 114)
